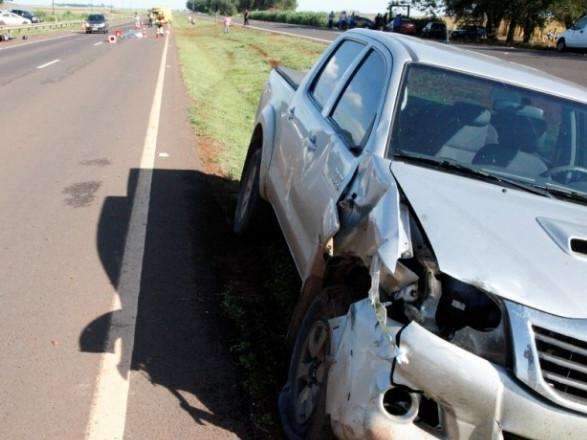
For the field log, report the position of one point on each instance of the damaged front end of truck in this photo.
(415, 352)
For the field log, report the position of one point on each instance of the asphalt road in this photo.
(86, 146)
(569, 66)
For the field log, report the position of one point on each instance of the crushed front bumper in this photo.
(475, 398)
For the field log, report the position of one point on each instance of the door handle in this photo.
(291, 113)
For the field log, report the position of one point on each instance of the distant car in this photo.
(362, 22)
(434, 30)
(96, 23)
(406, 27)
(469, 33)
(7, 18)
(26, 14)
(575, 37)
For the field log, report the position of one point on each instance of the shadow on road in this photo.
(178, 340)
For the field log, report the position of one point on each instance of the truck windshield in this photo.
(493, 127)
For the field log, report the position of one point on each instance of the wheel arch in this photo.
(264, 136)
(347, 271)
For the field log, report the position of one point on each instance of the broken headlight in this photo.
(473, 320)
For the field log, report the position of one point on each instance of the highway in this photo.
(106, 221)
(86, 128)
(569, 66)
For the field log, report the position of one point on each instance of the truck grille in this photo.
(563, 361)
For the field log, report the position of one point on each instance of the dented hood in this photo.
(511, 243)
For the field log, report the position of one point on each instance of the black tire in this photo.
(561, 46)
(297, 423)
(250, 207)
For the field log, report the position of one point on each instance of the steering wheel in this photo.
(569, 170)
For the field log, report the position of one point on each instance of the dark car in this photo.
(26, 14)
(434, 30)
(362, 22)
(96, 23)
(469, 33)
(406, 26)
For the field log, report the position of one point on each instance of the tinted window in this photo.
(581, 23)
(492, 126)
(357, 108)
(334, 71)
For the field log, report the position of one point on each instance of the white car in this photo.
(7, 18)
(575, 37)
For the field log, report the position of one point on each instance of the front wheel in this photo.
(561, 46)
(302, 402)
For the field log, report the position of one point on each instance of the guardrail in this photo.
(40, 26)
(51, 25)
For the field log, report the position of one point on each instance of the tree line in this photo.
(528, 15)
(232, 6)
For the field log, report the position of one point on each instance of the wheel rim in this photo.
(311, 372)
(248, 186)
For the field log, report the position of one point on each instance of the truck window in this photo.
(334, 70)
(356, 110)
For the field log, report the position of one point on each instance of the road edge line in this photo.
(107, 419)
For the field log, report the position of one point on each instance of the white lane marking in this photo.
(109, 404)
(163, 154)
(50, 63)
(98, 43)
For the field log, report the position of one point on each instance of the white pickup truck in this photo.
(435, 203)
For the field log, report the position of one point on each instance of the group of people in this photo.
(344, 20)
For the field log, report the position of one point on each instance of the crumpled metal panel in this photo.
(363, 353)
(370, 214)
(490, 237)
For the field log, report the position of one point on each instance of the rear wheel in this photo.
(561, 46)
(249, 206)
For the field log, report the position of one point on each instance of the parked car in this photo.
(96, 23)
(406, 27)
(434, 201)
(575, 37)
(434, 30)
(26, 14)
(469, 33)
(7, 18)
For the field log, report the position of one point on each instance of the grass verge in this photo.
(225, 75)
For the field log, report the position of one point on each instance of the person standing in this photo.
(331, 20)
(397, 23)
(227, 23)
(246, 17)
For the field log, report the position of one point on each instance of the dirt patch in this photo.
(273, 62)
(209, 151)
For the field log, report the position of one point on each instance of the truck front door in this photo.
(337, 123)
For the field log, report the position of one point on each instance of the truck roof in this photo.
(474, 63)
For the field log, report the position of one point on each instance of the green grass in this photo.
(225, 75)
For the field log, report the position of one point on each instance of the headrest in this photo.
(471, 114)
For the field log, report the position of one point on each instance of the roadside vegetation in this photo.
(258, 283)
(319, 19)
